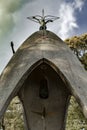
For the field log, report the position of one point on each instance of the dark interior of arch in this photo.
(45, 97)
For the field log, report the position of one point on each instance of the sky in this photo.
(14, 25)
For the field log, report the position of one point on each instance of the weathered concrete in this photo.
(44, 47)
(55, 105)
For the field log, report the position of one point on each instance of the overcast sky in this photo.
(15, 27)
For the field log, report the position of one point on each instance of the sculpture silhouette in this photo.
(43, 20)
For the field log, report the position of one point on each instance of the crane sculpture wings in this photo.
(43, 20)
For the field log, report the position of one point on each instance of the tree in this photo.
(78, 44)
(75, 118)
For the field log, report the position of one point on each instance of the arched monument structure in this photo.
(44, 73)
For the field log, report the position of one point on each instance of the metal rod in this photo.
(12, 47)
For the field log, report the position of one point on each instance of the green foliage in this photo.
(75, 118)
(13, 118)
(78, 44)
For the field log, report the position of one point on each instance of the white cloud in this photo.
(8, 21)
(68, 21)
(7, 11)
(78, 4)
(66, 12)
(68, 18)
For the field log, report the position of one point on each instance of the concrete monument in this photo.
(44, 73)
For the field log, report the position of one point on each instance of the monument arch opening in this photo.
(45, 98)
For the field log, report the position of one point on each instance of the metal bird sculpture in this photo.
(43, 20)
